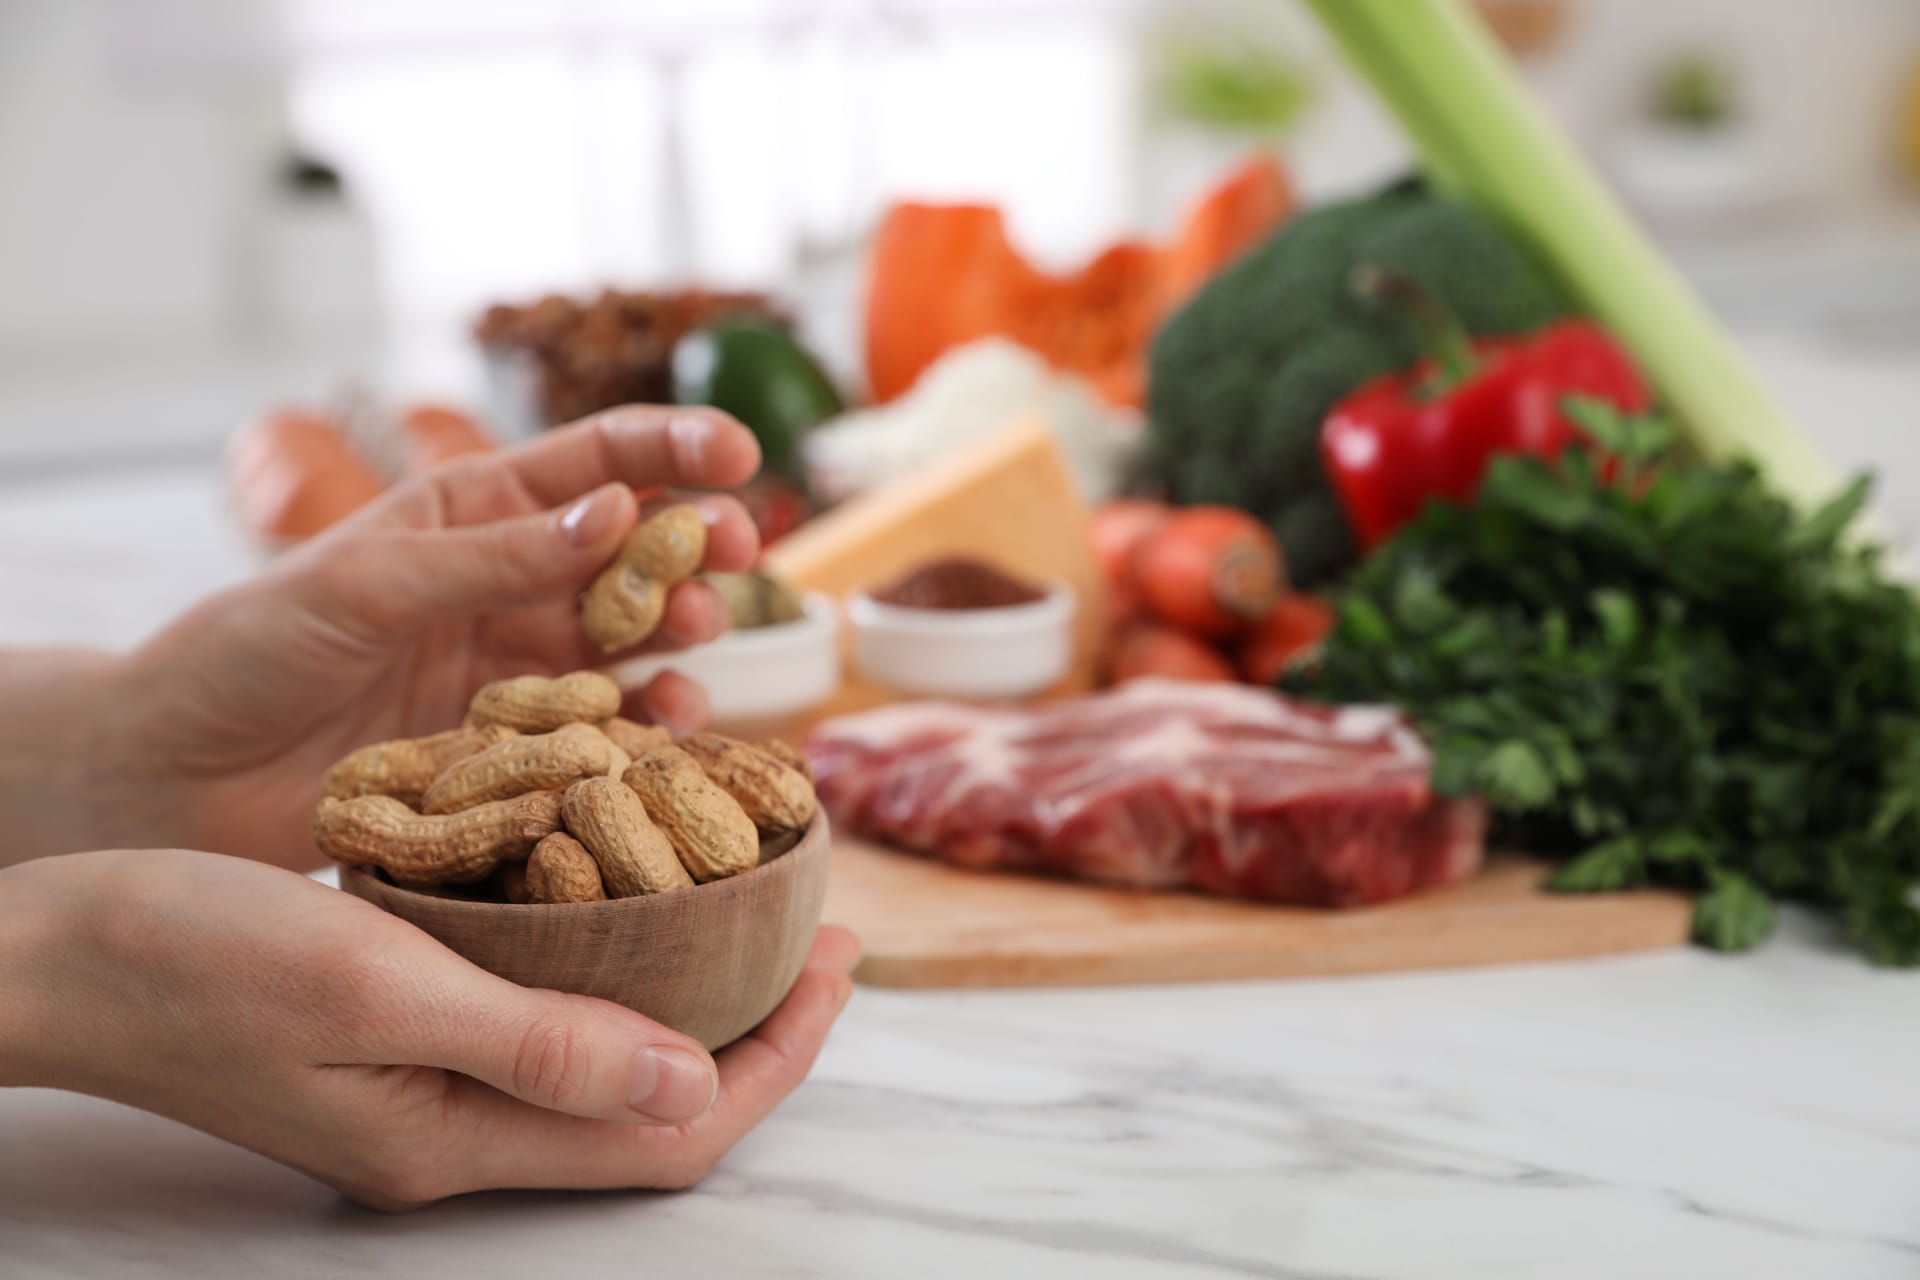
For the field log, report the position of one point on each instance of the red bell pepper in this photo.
(1431, 431)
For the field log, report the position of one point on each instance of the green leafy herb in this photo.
(1659, 672)
(1733, 914)
(1617, 864)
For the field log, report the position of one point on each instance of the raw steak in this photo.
(1158, 784)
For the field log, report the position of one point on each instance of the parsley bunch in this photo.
(1659, 672)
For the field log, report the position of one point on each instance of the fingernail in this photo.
(690, 434)
(844, 994)
(672, 1084)
(588, 522)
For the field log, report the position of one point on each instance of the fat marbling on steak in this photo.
(1158, 784)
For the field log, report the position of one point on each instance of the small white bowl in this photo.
(1009, 652)
(763, 674)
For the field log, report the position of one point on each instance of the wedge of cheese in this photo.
(1008, 499)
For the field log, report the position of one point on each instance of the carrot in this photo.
(292, 473)
(1119, 527)
(435, 433)
(1214, 571)
(1150, 649)
(1288, 634)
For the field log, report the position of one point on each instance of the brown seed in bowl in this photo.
(561, 870)
(776, 797)
(535, 704)
(416, 849)
(617, 758)
(709, 831)
(405, 767)
(536, 762)
(633, 738)
(635, 856)
(789, 755)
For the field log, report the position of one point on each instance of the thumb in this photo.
(531, 558)
(420, 578)
(566, 1053)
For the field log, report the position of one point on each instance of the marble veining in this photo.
(1676, 1114)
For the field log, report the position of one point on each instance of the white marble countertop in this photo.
(1677, 1114)
(1673, 1114)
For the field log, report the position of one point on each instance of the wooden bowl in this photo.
(710, 961)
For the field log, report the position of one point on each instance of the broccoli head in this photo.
(1240, 379)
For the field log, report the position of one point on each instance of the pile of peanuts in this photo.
(547, 795)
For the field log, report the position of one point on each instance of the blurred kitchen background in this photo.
(211, 206)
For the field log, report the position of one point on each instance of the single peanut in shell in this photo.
(626, 602)
(709, 831)
(536, 762)
(669, 545)
(633, 738)
(405, 767)
(561, 870)
(622, 607)
(417, 849)
(773, 795)
(537, 704)
(789, 755)
(634, 855)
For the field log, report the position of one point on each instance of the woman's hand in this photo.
(385, 625)
(316, 1029)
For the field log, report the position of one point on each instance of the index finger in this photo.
(639, 445)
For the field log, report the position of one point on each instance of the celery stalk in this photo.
(1483, 136)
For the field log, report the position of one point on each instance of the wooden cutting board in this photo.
(922, 924)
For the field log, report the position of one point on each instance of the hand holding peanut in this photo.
(264, 1008)
(381, 628)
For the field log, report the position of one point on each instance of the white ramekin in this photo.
(1009, 652)
(763, 674)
